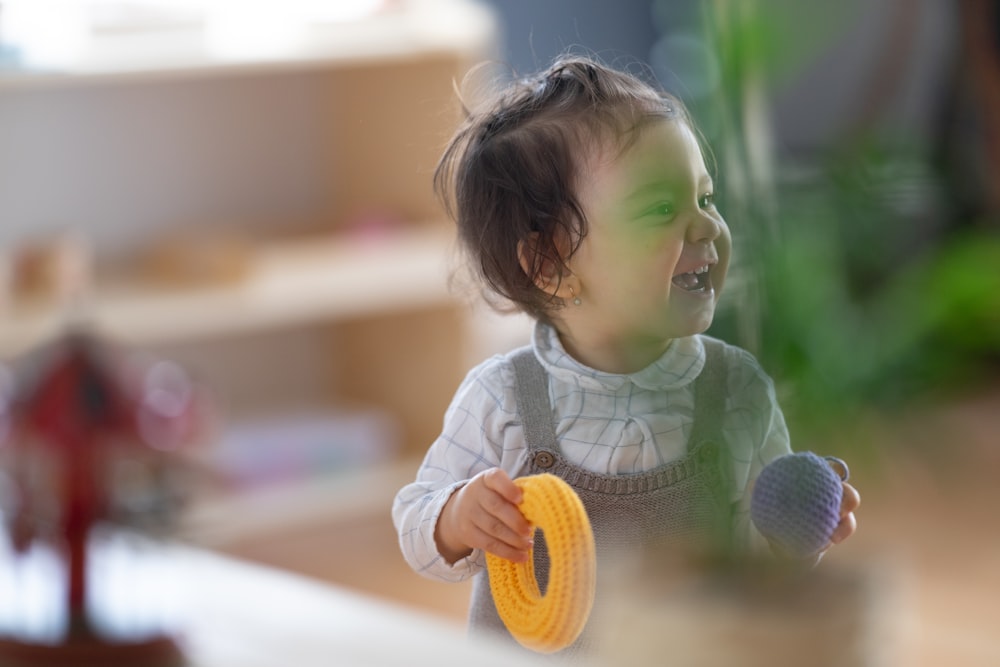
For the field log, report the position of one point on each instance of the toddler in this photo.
(582, 197)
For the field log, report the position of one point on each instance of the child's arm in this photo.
(480, 432)
(483, 514)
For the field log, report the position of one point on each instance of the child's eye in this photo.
(707, 200)
(661, 210)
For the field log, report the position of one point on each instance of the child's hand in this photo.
(483, 514)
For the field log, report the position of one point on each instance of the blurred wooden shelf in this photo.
(293, 282)
(219, 519)
(265, 117)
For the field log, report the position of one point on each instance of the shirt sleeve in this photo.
(475, 429)
(757, 434)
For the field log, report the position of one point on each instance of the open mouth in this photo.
(694, 281)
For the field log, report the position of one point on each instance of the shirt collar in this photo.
(679, 365)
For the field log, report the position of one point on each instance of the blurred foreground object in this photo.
(90, 447)
(756, 613)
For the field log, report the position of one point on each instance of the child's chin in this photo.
(685, 332)
(701, 322)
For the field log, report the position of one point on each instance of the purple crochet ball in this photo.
(796, 503)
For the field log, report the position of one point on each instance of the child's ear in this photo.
(546, 271)
(537, 265)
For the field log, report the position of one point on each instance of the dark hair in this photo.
(511, 169)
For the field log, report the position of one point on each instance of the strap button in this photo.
(544, 459)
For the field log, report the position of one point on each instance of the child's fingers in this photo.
(500, 540)
(501, 517)
(848, 524)
(500, 482)
(850, 501)
(504, 504)
(483, 517)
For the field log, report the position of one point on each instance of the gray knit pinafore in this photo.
(679, 501)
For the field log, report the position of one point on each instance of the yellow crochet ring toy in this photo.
(550, 622)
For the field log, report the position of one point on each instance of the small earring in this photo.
(576, 299)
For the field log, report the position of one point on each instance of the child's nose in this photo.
(704, 228)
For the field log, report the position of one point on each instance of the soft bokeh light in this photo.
(45, 32)
(52, 33)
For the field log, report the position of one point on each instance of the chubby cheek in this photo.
(668, 257)
(632, 263)
(651, 271)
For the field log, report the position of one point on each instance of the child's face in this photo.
(654, 260)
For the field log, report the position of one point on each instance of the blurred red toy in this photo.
(89, 437)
